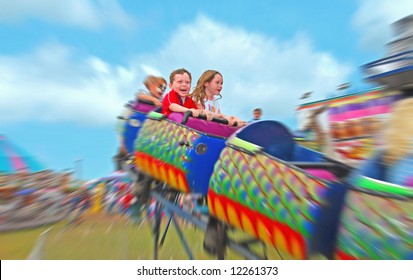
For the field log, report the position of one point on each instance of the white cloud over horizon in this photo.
(88, 14)
(373, 20)
(53, 83)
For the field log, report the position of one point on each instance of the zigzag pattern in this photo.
(159, 153)
(285, 198)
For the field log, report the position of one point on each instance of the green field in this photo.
(104, 237)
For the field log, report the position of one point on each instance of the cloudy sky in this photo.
(68, 66)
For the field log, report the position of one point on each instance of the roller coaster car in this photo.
(134, 118)
(180, 151)
(301, 202)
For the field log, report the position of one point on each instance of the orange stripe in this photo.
(295, 242)
(153, 166)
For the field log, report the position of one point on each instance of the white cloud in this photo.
(149, 70)
(90, 14)
(374, 18)
(54, 84)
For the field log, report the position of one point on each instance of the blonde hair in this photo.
(150, 80)
(398, 135)
(198, 94)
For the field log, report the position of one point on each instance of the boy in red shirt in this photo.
(177, 100)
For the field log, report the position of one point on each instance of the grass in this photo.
(104, 237)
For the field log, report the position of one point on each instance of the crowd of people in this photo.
(42, 179)
(30, 199)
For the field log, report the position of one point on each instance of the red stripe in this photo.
(255, 216)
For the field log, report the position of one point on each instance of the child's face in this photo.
(181, 84)
(214, 87)
(257, 114)
(157, 89)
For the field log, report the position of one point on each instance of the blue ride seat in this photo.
(401, 172)
(301, 153)
(272, 136)
(277, 141)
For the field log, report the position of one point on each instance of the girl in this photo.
(207, 94)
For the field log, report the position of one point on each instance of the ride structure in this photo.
(261, 181)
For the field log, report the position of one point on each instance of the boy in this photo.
(177, 100)
(156, 87)
(257, 113)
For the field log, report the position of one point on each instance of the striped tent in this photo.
(13, 159)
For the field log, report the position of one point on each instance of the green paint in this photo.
(244, 145)
(385, 187)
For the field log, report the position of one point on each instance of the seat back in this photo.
(272, 136)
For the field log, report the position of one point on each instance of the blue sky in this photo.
(67, 67)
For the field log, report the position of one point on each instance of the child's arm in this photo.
(239, 122)
(181, 109)
(231, 119)
(155, 101)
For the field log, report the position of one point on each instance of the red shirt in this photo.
(173, 97)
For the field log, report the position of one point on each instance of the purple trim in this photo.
(322, 174)
(208, 127)
(143, 107)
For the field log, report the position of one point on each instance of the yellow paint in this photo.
(247, 224)
(211, 207)
(138, 161)
(297, 251)
(143, 164)
(151, 168)
(156, 171)
(279, 240)
(233, 216)
(219, 210)
(181, 183)
(163, 173)
(263, 232)
(172, 178)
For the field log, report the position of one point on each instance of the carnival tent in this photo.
(13, 158)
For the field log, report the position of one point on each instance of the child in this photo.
(177, 100)
(209, 86)
(156, 87)
(257, 114)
